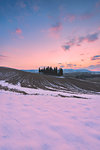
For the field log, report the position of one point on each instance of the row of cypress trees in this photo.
(51, 71)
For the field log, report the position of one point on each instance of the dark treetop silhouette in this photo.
(51, 71)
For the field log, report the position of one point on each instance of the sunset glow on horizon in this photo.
(53, 33)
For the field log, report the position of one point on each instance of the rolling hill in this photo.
(47, 82)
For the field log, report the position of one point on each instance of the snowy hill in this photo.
(39, 122)
(46, 82)
(48, 112)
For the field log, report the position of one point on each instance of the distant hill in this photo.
(66, 71)
(75, 70)
(32, 71)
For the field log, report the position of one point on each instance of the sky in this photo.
(62, 33)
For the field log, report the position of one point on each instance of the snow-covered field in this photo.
(47, 122)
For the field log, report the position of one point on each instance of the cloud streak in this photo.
(78, 41)
(2, 57)
(86, 16)
(71, 65)
(96, 57)
(62, 66)
(73, 17)
(55, 30)
(70, 18)
(93, 67)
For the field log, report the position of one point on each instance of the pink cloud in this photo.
(21, 37)
(10, 20)
(85, 16)
(91, 37)
(94, 67)
(71, 65)
(18, 31)
(98, 4)
(50, 17)
(78, 41)
(70, 18)
(3, 58)
(82, 59)
(96, 57)
(17, 34)
(36, 8)
(21, 4)
(99, 28)
(55, 30)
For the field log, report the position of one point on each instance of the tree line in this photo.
(51, 71)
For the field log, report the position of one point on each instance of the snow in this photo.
(59, 92)
(36, 91)
(59, 76)
(45, 122)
